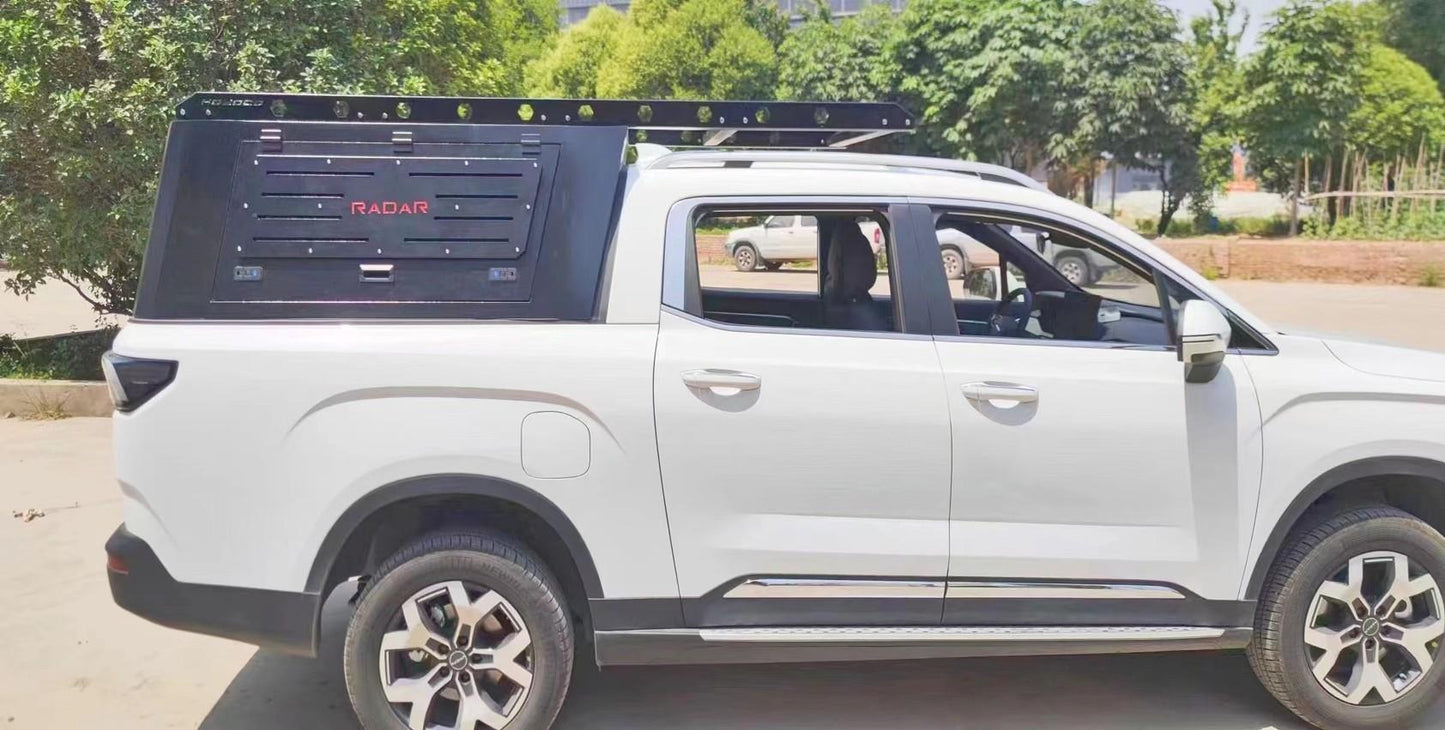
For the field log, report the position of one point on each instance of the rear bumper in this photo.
(278, 620)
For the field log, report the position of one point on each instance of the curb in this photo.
(54, 398)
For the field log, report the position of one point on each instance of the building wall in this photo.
(573, 11)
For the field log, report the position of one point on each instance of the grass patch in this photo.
(1431, 276)
(74, 356)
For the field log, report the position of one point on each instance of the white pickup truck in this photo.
(521, 427)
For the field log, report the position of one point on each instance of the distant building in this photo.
(573, 11)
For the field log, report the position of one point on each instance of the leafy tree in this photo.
(829, 60)
(86, 89)
(692, 49)
(1127, 90)
(1400, 107)
(985, 77)
(1417, 27)
(1217, 91)
(569, 69)
(1303, 83)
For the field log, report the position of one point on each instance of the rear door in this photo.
(806, 469)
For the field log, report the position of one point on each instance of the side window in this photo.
(1019, 279)
(814, 269)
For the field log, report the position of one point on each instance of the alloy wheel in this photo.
(745, 259)
(456, 656)
(952, 264)
(1072, 270)
(1374, 628)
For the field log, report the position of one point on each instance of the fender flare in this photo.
(453, 485)
(1379, 466)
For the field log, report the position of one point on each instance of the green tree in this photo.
(1217, 90)
(1400, 107)
(829, 60)
(985, 77)
(692, 49)
(87, 88)
(569, 69)
(1303, 83)
(1417, 27)
(1127, 90)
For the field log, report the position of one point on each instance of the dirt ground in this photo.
(72, 659)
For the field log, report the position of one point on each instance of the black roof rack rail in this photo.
(802, 124)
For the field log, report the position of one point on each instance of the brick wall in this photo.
(1375, 262)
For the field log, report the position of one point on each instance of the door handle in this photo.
(713, 379)
(1000, 391)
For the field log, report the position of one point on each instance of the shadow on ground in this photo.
(1204, 691)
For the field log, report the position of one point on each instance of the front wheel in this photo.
(954, 265)
(1075, 269)
(745, 257)
(460, 631)
(1350, 622)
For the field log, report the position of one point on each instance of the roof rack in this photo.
(983, 170)
(806, 125)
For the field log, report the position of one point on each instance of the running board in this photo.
(854, 643)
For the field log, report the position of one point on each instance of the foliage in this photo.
(829, 60)
(1128, 94)
(985, 77)
(74, 356)
(1303, 83)
(1400, 107)
(1417, 27)
(1217, 92)
(569, 69)
(683, 49)
(86, 88)
(1430, 276)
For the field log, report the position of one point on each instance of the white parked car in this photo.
(508, 424)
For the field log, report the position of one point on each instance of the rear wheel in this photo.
(459, 631)
(954, 265)
(745, 257)
(1350, 622)
(1075, 269)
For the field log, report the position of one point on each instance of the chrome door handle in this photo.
(721, 379)
(1000, 391)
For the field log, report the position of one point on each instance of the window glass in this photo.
(752, 270)
(1012, 278)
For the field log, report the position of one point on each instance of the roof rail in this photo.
(732, 158)
(799, 124)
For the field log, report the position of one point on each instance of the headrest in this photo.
(851, 269)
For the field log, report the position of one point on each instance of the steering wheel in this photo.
(1004, 324)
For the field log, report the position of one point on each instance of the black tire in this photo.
(955, 264)
(1278, 651)
(1075, 268)
(745, 257)
(489, 560)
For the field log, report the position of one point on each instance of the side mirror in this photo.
(1203, 339)
(982, 282)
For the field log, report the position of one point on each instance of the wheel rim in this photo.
(1072, 270)
(456, 656)
(745, 258)
(1373, 630)
(952, 264)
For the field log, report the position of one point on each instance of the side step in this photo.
(857, 643)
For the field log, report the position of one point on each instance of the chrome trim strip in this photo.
(970, 589)
(955, 634)
(835, 588)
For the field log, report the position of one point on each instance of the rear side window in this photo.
(809, 270)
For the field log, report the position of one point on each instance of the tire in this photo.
(487, 568)
(1075, 269)
(1300, 593)
(745, 257)
(954, 263)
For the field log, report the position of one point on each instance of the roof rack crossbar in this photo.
(747, 158)
(701, 123)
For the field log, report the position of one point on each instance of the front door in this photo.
(805, 468)
(1087, 473)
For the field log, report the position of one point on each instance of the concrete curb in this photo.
(54, 398)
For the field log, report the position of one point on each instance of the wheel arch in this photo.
(1413, 484)
(392, 515)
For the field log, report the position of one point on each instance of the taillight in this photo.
(133, 380)
(877, 236)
